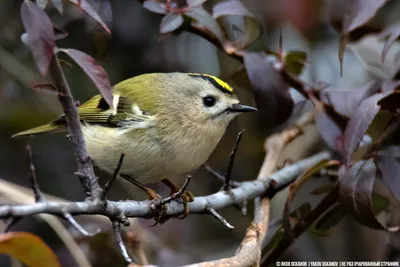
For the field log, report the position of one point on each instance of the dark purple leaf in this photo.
(358, 12)
(41, 38)
(229, 8)
(202, 17)
(388, 161)
(155, 7)
(83, 4)
(95, 72)
(171, 22)
(271, 93)
(355, 191)
(58, 4)
(344, 101)
(393, 32)
(194, 3)
(42, 3)
(359, 123)
(331, 127)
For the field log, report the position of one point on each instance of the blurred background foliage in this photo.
(135, 47)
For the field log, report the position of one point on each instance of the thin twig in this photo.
(79, 227)
(117, 230)
(178, 194)
(219, 176)
(32, 177)
(227, 185)
(219, 217)
(11, 222)
(114, 176)
(85, 170)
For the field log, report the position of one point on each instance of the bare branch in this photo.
(131, 208)
(85, 168)
(221, 219)
(34, 183)
(117, 229)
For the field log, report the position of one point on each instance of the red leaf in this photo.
(95, 72)
(91, 12)
(171, 22)
(355, 191)
(359, 123)
(41, 37)
(231, 7)
(29, 249)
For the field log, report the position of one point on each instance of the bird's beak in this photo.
(241, 108)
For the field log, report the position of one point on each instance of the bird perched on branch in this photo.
(166, 124)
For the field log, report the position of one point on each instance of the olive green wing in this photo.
(97, 111)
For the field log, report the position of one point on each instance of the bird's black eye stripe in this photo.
(209, 101)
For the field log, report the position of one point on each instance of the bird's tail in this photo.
(52, 127)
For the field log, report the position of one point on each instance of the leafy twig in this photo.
(301, 226)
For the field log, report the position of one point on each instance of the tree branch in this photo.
(85, 168)
(131, 208)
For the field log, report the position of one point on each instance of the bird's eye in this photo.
(209, 101)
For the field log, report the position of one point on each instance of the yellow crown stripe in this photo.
(223, 85)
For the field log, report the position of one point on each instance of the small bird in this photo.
(166, 124)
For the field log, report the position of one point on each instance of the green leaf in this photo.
(295, 61)
(29, 249)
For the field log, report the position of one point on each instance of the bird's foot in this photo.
(177, 192)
